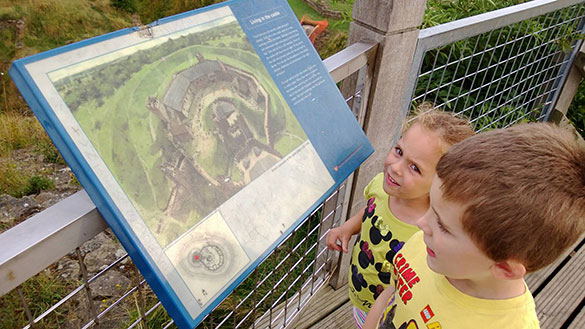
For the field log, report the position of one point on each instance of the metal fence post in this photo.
(394, 25)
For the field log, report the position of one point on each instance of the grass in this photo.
(342, 6)
(13, 179)
(17, 183)
(41, 291)
(21, 132)
(301, 8)
(18, 132)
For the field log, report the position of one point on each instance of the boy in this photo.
(502, 204)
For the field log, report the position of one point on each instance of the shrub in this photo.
(576, 113)
(125, 5)
(49, 152)
(36, 184)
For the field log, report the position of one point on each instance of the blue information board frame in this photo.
(331, 144)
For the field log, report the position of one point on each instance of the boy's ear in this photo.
(508, 270)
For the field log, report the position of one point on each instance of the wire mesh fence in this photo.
(117, 296)
(504, 76)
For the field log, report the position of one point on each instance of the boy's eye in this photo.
(441, 227)
(398, 150)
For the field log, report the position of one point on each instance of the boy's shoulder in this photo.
(425, 297)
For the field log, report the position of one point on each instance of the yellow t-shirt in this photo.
(425, 299)
(382, 235)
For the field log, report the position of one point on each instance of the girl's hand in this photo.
(335, 235)
(377, 310)
(344, 232)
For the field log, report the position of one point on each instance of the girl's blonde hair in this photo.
(449, 127)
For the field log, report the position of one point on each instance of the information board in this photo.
(203, 139)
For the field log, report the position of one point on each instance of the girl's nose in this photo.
(396, 168)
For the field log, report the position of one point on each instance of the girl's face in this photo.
(410, 166)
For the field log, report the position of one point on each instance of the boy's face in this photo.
(450, 250)
(409, 168)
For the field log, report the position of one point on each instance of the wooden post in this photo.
(394, 24)
(570, 87)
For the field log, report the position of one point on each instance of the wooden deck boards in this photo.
(536, 280)
(563, 294)
(342, 318)
(579, 321)
(324, 304)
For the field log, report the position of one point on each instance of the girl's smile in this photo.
(391, 181)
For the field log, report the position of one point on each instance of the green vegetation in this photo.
(516, 96)
(151, 10)
(576, 111)
(13, 180)
(342, 6)
(301, 8)
(48, 151)
(18, 184)
(335, 37)
(441, 11)
(36, 184)
(19, 131)
(29, 27)
(41, 291)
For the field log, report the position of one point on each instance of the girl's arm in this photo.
(378, 309)
(344, 232)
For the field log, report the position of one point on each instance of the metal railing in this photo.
(501, 67)
(60, 238)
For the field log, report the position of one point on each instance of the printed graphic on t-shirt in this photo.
(377, 237)
(389, 324)
(406, 278)
(427, 314)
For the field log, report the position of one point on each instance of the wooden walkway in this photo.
(559, 293)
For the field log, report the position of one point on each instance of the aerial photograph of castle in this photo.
(185, 124)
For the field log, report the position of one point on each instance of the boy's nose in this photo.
(422, 223)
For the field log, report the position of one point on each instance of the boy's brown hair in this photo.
(451, 129)
(523, 188)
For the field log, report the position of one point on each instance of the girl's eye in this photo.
(415, 168)
(398, 150)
